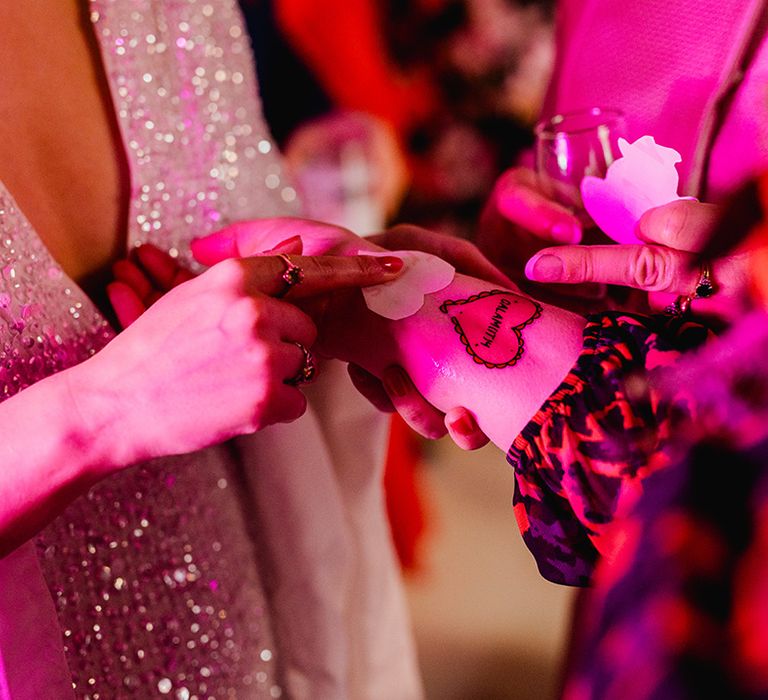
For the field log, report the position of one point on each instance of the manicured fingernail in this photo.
(391, 263)
(544, 268)
(214, 247)
(464, 425)
(395, 381)
(565, 232)
(288, 244)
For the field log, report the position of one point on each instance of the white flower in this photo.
(644, 177)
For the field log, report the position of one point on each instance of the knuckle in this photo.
(228, 268)
(673, 224)
(582, 268)
(269, 361)
(259, 307)
(323, 267)
(650, 268)
(246, 317)
(255, 314)
(676, 222)
(260, 358)
(260, 320)
(236, 317)
(227, 273)
(261, 314)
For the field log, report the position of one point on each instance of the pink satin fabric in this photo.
(668, 65)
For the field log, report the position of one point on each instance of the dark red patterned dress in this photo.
(681, 611)
(584, 455)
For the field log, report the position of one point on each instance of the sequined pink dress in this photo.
(176, 578)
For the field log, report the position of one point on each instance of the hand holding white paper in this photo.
(422, 274)
(643, 178)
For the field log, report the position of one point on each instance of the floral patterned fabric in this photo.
(681, 610)
(584, 455)
(681, 613)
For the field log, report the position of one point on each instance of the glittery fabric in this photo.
(46, 322)
(157, 588)
(184, 90)
(154, 572)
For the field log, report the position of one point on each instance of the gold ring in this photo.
(680, 306)
(308, 370)
(292, 276)
(705, 288)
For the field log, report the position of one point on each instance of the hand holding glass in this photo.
(572, 145)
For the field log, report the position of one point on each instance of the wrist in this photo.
(458, 364)
(93, 423)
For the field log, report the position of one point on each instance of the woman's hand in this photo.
(210, 359)
(141, 280)
(255, 237)
(463, 255)
(395, 390)
(145, 276)
(665, 268)
(519, 219)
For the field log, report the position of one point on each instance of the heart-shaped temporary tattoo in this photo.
(490, 324)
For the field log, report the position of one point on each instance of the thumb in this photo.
(290, 246)
(240, 240)
(519, 199)
(253, 237)
(684, 224)
(225, 244)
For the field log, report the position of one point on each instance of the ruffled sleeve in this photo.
(588, 448)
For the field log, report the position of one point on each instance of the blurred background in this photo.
(395, 111)
(419, 104)
(487, 626)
